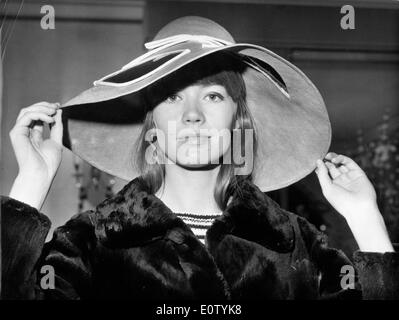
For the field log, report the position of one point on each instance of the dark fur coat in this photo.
(133, 247)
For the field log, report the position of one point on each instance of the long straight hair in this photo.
(221, 69)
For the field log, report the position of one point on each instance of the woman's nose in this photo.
(193, 114)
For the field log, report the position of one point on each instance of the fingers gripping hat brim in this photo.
(293, 132)
(103, 123)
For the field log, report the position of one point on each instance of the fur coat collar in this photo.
(134, 216)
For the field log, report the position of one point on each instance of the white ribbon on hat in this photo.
(207, 41)
(161, 44)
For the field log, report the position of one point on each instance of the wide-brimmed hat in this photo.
(103, 123)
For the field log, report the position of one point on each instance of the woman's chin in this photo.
(197, 166)
(194, 155)
(194, 162)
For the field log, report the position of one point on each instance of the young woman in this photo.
(201, 127)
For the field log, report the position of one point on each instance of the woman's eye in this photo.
(214, 97)
(172, 98)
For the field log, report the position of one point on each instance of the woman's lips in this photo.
(194, 140)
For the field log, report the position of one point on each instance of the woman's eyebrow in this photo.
(206, 86)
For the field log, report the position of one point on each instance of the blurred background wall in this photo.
(90, 39)
(356, 71)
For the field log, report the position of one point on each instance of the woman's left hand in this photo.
(344, 184)
(347, 188)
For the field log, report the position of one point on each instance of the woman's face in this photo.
(194, 125)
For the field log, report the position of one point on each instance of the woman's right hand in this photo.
(36, 156)
(38, 159)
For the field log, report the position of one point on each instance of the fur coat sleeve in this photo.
(132, 246)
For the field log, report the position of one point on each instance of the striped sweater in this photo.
(199, 223)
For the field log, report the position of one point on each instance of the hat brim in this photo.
(102, 124)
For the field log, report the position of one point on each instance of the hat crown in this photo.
(194, 25)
